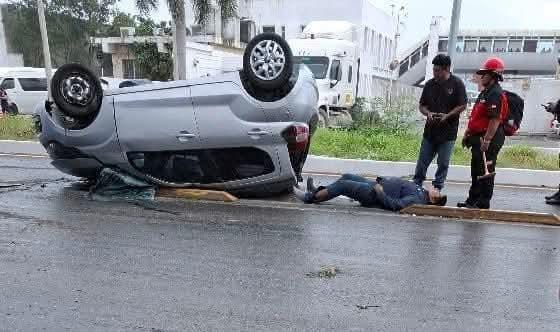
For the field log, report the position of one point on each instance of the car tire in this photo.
(265, 191)
(76, 91)
(323, 119)
(13, 109)
(268, 62)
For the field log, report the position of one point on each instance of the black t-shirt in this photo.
(443, 97)
(492, 98)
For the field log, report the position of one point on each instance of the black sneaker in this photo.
(310, 186)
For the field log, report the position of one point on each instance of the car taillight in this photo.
(297, 137)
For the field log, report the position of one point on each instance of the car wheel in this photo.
(13, 109)
(323, 119)
(268, 62)
(76, 91)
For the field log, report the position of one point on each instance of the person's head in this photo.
(442, 67)
(436, 197)
(491, 72)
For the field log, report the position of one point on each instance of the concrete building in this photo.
(7, 59)
(527, 53)
(376, 28)
(118, 59)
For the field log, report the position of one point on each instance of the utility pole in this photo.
(45, 40)
(394, 63)
(454, 30)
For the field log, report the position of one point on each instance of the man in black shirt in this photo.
(443, 99)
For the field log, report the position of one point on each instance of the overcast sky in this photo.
(476, 14)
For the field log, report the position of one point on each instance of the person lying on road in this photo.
(389, 193)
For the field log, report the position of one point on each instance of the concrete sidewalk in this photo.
(326, 165)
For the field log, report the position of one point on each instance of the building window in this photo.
(471, 46)
(515, 46)
(269, 28)
(442, 45)
(530, 46)
(350, 74)
(128, 69)
(284, 31)
(485, 46)
(545, 46)
(366, 39)
(500, 46)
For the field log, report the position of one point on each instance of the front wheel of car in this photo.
(268, 62)
(76, 91)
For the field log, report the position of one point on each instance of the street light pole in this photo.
(45, 40)
(454, 29)
(395, 49)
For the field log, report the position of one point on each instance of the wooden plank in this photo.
(476, 214)
(196, 194)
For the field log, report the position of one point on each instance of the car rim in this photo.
(76, 90)
(268, 60)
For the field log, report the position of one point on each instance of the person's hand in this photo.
(444, 118)
(378, 188)
(484, 145)
(465, 142)
(430, 116)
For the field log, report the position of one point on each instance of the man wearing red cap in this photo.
(485, 133)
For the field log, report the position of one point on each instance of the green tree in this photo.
(119, 20)
(202, 10)
(155, 65)
(70, 24)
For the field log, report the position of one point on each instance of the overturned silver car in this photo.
(245, 132)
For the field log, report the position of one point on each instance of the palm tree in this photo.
(202, 10)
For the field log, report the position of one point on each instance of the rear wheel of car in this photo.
(323, 119)
(267, 61)
(76, 91)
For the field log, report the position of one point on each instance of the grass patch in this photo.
(384, 145)
(17, 127)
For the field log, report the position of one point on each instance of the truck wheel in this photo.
(76, 91)
(323, 119)
(268, 62)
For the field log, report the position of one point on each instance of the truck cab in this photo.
(328, 50)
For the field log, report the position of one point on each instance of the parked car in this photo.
(246, 132)
(25, 88)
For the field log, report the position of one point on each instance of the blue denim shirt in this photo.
(398, 193)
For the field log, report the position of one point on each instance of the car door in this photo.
(152, 125)
(32, 91)
(239, 151)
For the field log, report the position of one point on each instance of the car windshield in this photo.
(317, 64)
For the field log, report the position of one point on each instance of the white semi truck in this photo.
(330, 49)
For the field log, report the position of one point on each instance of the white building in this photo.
(376, 28)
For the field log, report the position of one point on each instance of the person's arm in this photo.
(394, 204)
(423, 105)
(494, 103)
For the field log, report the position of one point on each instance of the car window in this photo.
(33, 84)
(8, 84)
(203, 166)
(317, 64)
(335, 67)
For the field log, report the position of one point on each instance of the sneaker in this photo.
(310, 186)
(303, 196)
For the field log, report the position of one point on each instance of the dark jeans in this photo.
(481, 192)
(354, 187)
(428, 151)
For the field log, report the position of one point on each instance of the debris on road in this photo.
(113, 185)
(325, 272)
(365, 307)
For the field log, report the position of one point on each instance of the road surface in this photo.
(68, 263)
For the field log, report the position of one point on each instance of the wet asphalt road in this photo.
(67, 263)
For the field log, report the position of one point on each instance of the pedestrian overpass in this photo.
(525, 52)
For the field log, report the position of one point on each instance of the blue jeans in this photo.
(428, 151)
(354, 187)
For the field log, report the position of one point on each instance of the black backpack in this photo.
(512, 120)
